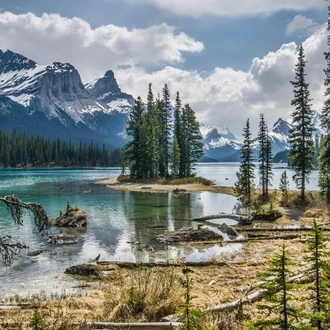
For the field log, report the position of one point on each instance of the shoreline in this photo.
(164, 188)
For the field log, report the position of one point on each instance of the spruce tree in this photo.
(324, 159)
(301, 136)
(245, 176)
(164, 111)
(278, 302)
(135, 152)
(265, 157)
(284, 186)
(318, 258)
(192, 146)
(153, 132)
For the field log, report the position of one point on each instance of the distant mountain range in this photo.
(52, 101)
(220, 145)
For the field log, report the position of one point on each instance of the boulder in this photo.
(228, 230)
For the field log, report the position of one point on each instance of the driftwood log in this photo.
(241, 219)
(109, 325)
(188, 234)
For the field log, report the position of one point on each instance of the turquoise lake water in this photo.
(119, 223)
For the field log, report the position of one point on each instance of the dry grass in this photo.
(147, 294)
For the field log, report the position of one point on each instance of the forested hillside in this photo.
(21, 150)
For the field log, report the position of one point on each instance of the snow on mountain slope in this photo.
(54, 95)
(107, 90)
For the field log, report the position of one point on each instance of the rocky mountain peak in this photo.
(10, 61)
(282, 126)
(106, 90)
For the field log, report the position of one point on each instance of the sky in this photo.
(230, 60)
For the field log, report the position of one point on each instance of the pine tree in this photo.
(324, 158)
(192, 146)
(265, 157)
(175, 158)
(245, 176)
(164, 112)
(277, 300)
(135, 151)
(153, 132)
(284, 186)
(301, 137)
(318, 258)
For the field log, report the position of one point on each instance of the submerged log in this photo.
(72, 218)
(241, 219)
(63, 239)
(188, 234)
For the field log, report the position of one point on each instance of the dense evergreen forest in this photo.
(165, 142)
(21, 150)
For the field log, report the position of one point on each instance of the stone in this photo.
(228, 230)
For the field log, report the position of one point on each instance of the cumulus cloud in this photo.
(229, 97)
(52, 37)
(301, 24)
(231, 8)
(224, 96)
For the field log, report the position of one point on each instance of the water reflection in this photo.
(119, 222)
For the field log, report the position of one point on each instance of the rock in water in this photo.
(228, 230)
(73, 218)
(63, 239)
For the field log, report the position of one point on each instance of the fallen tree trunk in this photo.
(301, 278)
(109, 325)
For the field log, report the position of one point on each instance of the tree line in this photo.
(306, 151)
(21, 150)
(282, 284)
(165, 142)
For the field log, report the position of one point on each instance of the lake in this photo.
(119, 222)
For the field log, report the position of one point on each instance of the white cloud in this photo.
(229, 97)
(231, 8)
(93, 51)
(224, 96)
(300, 24)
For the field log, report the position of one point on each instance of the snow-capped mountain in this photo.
(51, 100)
(219, 143)
(107, 91)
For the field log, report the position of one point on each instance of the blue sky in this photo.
(230, 60)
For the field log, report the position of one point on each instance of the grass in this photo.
(148, 293)
(170, 181)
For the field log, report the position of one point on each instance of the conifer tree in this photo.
(164, 111)
(153, 132)
(301, 136)
(192, 146)
(278, 300)
(245, 176)
(265, 157)
(324, 159)
(175, 158)
(135, 152)
(284, 186)
(318, 258)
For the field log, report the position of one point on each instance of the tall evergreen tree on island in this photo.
(324, 158)
(245, 176)
(191, 145)
(265, 157)
(301, 137)
(165, 114)
(136, 151)
(157, 145)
